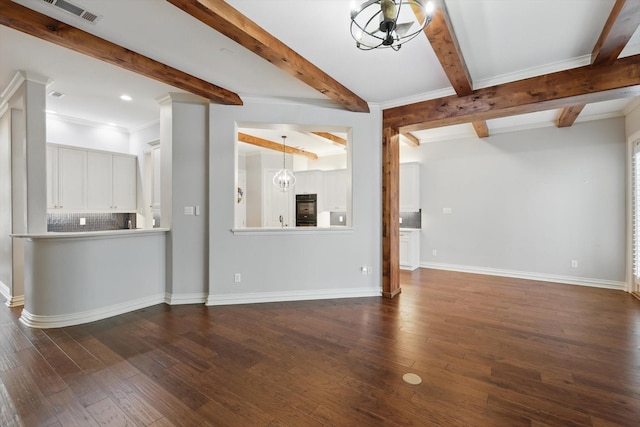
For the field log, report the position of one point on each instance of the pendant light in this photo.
(284, 179)
(389, 23)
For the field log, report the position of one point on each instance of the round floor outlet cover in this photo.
(412, 379)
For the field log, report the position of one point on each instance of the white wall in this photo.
(294, 264)
(99, 137)
(632, 120)
(528, 201)
(6, 277)
(139, 143)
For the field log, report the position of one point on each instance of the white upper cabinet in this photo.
(111, 182)
(66, 179)
(409, 187)
(89, 180)
(335, 190)
(124, 182)
(100, 181)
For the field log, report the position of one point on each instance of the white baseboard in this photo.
(570, 280)
(260, 297)
(16, 301)
(59, 321)
(12, 301)
(177, 299)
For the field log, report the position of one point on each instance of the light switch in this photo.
(197, 210)
(340, 218)
(188, 210)
(400, 220)
(83, 221)
(446, 210)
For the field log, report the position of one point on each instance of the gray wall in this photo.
(528, 201)
(288, 262)
(184, 137)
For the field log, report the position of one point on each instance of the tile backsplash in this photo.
(93, 221)
(411, 219)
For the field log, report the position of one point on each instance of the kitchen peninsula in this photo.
(78, 277)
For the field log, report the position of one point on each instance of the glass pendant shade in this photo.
(284, 179)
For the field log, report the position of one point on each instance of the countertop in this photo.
(89, 234)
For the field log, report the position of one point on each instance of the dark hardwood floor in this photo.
(491, 352)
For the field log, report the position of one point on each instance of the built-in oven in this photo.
(306, 210)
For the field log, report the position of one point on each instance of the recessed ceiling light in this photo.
(125, 97)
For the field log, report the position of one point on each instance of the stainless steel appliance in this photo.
(306, 210)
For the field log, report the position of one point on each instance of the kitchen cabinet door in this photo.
(335, 190)
(124, 183)
(99, 181)
(72, 179)
(111, 182)
(409, 249)
(409, 187)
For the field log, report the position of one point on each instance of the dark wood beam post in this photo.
(390, 212)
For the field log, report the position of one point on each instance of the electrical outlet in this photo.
(435, 252)
(237, 278)
(574, 263)
(83, 221)
(364, 271)
(447, 211)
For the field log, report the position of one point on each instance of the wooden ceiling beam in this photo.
(568, 115)
(556, 90)
(481, 128)
(28, 21)
(223, 18)
(331, 137)
(445, 45)
(276, 146)
(410, 139)
(622, 23)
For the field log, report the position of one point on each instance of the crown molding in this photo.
(84, 122)
(18, 79)
(552, 67)
(182, 97)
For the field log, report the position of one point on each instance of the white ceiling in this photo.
(501, 40)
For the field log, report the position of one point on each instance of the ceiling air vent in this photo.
(56, 94)
(74, 9)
